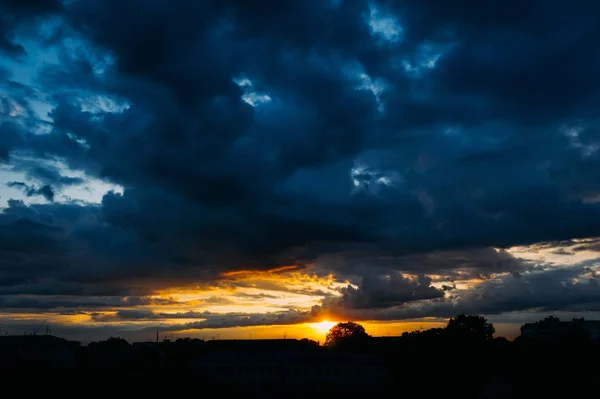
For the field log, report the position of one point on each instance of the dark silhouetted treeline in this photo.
(461, 360)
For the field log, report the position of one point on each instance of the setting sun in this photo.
(322, 327)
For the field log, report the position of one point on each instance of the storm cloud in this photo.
(393, 144)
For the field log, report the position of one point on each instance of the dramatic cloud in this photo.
(17, 303)
(46, 191)
(18, 18)
(402, 149)
(210, 319)
(387, 291)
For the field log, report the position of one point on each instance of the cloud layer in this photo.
(400, 148)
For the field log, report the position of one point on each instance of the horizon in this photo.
(312, 331)
(240, 168)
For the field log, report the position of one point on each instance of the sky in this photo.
(264, 169)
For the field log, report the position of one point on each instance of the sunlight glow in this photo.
(322, 327)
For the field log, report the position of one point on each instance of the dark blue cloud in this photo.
(45, 191)
(264, 133)
(19, 17)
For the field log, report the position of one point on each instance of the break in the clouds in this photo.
(395, 153)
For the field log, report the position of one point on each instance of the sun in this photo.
(322, 327)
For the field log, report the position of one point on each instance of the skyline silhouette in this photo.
(352, 363)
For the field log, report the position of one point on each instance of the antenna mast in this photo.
(36, 330)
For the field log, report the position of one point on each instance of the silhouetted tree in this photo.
(111, 343)
(309, 341)
(345, 332)
(470, 328)
(429, 334)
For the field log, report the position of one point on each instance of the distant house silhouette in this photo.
(552, 327)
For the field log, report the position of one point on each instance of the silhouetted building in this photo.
(552, 327)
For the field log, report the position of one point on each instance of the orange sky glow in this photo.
(244, 292)
(264, 304)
